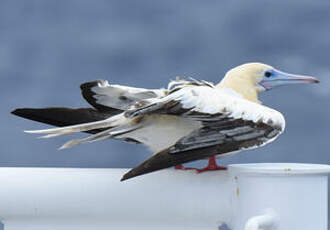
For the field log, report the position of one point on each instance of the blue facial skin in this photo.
(274, 78)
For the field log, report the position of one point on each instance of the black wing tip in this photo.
(159, 161)
(88, 94)
(125, 177)
(16, 112)
(21, 111)
(90, 84)
(133, 173)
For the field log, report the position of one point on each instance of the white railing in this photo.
(250, 197)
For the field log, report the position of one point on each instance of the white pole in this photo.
(280, 196)
(260, 196)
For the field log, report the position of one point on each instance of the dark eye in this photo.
(268, 74)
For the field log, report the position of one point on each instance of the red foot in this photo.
(211, 166)
(181, 167)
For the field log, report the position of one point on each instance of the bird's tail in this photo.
(64, 116)
(102, 125)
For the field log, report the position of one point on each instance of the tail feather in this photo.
(102, 125)
(107, 123)
(64, 116)
(108, 133)
(96, 137)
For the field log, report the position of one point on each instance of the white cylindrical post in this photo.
(280, 196)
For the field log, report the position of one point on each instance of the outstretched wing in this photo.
(60, 116)
(229, 124)
(104, 97)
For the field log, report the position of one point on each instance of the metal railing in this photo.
(248, 196)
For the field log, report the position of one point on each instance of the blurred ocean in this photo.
(48, 48)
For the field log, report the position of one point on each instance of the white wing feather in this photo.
(122, 97)
(206, 100)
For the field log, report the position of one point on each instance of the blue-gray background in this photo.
(48, 48)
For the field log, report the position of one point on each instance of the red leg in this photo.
(212, 165)
(181, 167)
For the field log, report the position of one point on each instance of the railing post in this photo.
(280, 196)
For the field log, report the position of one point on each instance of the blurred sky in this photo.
(48, 48)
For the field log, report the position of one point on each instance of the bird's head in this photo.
(252, 78)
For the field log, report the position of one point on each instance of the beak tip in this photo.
(314, 80)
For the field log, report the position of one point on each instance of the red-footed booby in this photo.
(190, 120)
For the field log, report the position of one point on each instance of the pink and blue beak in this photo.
(274, 78)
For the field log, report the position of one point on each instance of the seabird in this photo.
(188, 121)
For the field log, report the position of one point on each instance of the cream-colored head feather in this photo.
(244, 80)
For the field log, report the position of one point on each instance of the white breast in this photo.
(162, 131)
